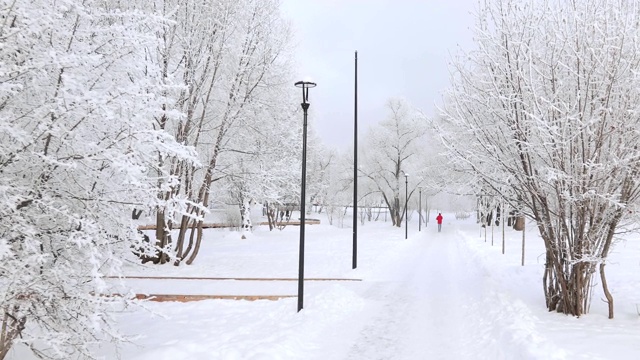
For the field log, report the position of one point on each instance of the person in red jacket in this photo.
(439, 220)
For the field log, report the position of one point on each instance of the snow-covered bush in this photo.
(77, 148)
(545, 112)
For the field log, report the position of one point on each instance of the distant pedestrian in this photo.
(439, 220)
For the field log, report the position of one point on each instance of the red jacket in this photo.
(439, 218)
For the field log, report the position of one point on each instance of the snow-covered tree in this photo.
(547, 107)
(393, 149)
(336, 185)
(229, 59)
(77, 155)
(190, 55)
(262, 162)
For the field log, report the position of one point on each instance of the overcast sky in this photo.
(403, 50)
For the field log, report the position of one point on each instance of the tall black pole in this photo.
(305, 106)
(406, 200)
(354, 262)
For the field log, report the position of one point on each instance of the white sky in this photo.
(403, 50)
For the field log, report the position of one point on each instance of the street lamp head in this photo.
(305, 85)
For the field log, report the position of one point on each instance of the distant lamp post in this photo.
(420, 209)
(406, 200)
(305, 85)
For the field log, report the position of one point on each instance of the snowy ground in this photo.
(448, 295)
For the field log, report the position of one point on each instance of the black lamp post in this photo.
(354, 253)
(406, 200)
(420, 210)
(305, 85)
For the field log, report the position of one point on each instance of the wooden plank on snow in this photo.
(189, 298)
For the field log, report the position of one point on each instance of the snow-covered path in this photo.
(440, 302)
(422, 303)
(445, 295)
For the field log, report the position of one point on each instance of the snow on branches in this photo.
(547, 107)
(77, 143)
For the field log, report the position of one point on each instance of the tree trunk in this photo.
(605, 288)
(192, 233)
(11, 328)
(567, 286)
(271, 216)
(184, 226)
(204, 192)
(245, 214)
(161, 237)
(196, 249)
(180, 243)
